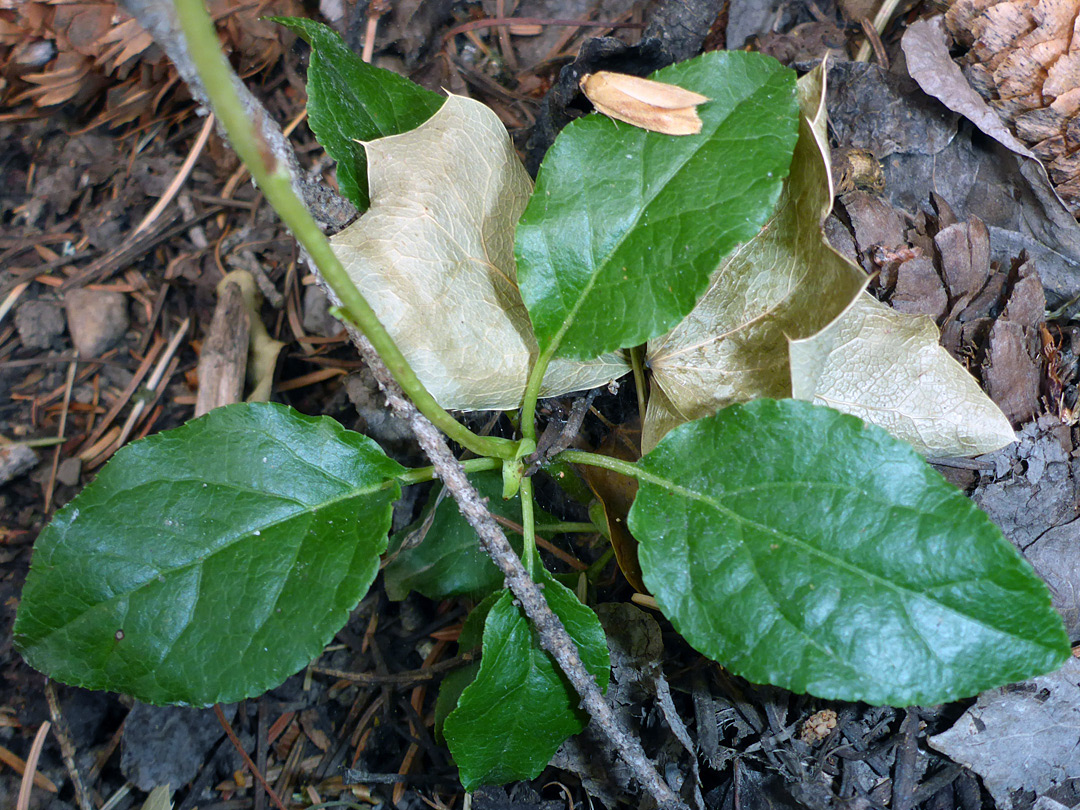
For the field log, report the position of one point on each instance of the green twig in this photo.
(532, 393)
(528, 524)
(556, 528)
(421, 474)
(596, 460)
(593, 572)
(274, 181)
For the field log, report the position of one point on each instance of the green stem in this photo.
(422, 474)
(636, 363)
(594, 570)
(607, 462)
(555, 528)
(532, 393)
(529, 555)
(275, 183)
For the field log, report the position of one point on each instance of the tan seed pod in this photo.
(655, 106)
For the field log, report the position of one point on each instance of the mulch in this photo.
(79, 213)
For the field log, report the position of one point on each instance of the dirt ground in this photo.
(107, 302)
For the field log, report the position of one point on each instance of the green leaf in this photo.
(448, 561)
(625, 226)
(350, 100)
(799, 547)
(785, 283)
(208, 563)
(451, 687)
(512, 719)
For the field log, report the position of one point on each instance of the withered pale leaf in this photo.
(652, 105)
(888, 369)
(605, 83)
(786, 282)
(434, 256)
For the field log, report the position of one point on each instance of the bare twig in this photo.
(553, 636)
(239, 746)
(555, 439)
(67, 748)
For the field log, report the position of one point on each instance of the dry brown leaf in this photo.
(651, 105)
(1025, 63)
(615, 493)
(434, 256)
(888, 369)
(786, 282)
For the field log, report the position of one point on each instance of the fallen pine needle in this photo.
(31, 767)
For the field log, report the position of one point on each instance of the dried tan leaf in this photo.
(786, 282)
(888, 369)
(160, 798)
(651, 105)
(434, 256)
(1024, 62)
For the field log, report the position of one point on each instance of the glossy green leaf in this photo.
(208, 563)
(625, 226)
(800, 547)
(512, 719)
(448, 561)
(350, 100)
(451, 687)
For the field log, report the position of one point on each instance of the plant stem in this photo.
(532, 393)
(419, 475)
(607, 462)
(274, 180)
(157, 17)
(597, 567)
(528, 525)
(556, 528)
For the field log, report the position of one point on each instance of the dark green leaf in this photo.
(350, 100)
(799, 547)
(472, 633)
(448, 561)
(450, 691)
(625, 226)
(512, 719)
(208, 563)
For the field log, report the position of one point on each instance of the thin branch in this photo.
(239, 746)
(552, 634)
(67, 748)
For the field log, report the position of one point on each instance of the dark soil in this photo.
(69, 203)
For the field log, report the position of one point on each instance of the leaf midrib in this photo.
(367, 490)
(596, 268)
(888, 584)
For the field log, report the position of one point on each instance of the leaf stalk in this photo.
(420, 475)
(528, 524)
